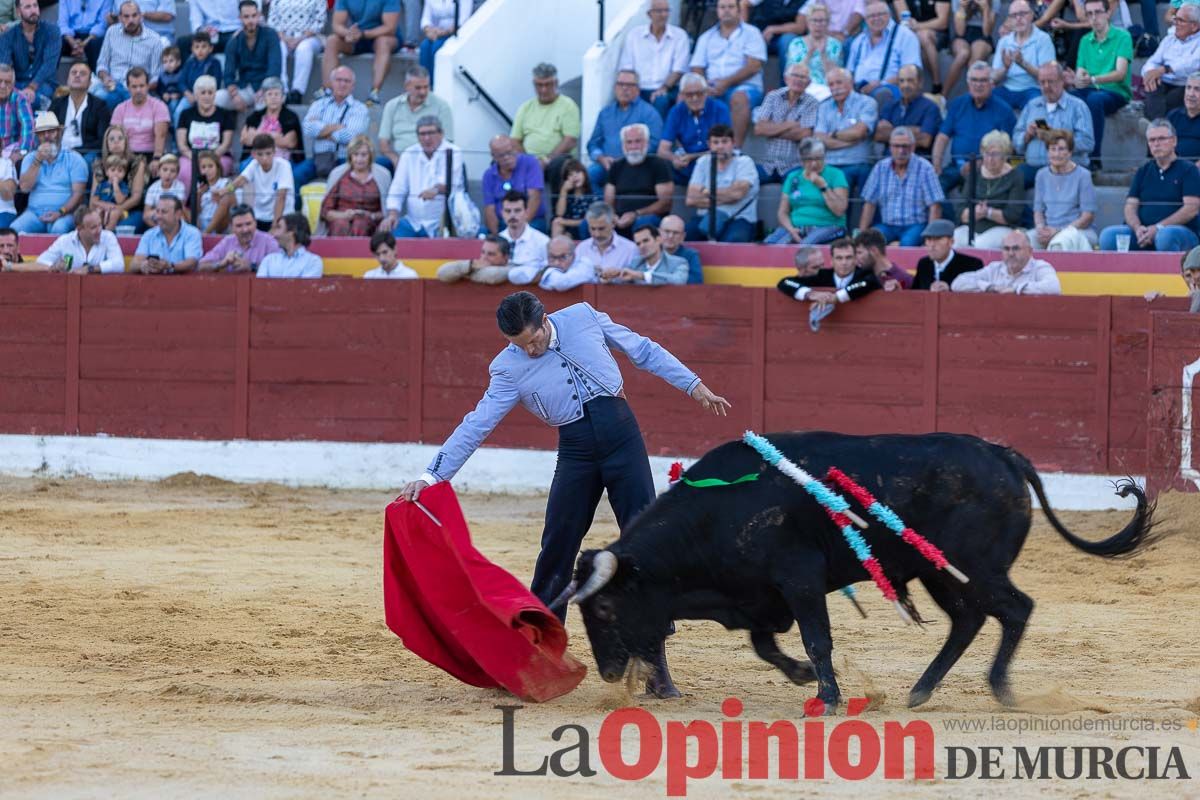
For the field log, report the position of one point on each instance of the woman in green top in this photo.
(818, 49)
(999, 196)
(1101, 78)
(812, 207)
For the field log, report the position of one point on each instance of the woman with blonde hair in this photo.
(116, 142)
(999, 196)
(353, 206)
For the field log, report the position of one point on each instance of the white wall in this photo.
(499, 46)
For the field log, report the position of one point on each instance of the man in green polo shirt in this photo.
(547, 126)
(398, 127)
(1102, 75)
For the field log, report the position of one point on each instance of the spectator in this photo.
(205, 126)
(33, 48)
(1102, 75)
(655, 267)
(870, 252)
(658, 53)
(1191, 279)
(845, 122)
(10, 254)
(252, 54)
(89, 246)
(999, 196)
(420, 183)
(820, 50)
(1018, 273)
(16, 117)
(85, 117)
(528, 243)
(170, 80)
(563, 270)
(846, 280)
(785, 118)
(438, 23)
(1018, 55)
(54, 179)
(117, 143)
(971, 40)
(875, 58)
(82, 24)
(159, 16)
(214, 204)
(300, 25)
(1064, 201)
(845, 16)
(547, 126)
(1164, 75)
(8, 193)
(127, 44)
(604, 145)
(640, 185)
(200, 62)
(277, 121)
(606, 249)
(906, 190)
(780, 22)
(672, 231)
(293, 260)
(398, 128)
(492, 266)
(813, 203)
(912, 110)
(1053, 109)
(168, 184)
(219, 19)
(114, 189)
(730, 56)
(145, 119)
(942, 263)
(575, 197)
(736, 197)
(808, 260)
(330, 124)
(269, 187)
(243, 249)
(171, 246)
(363, 26)
(930, 21)
(685, 135)
(1160, 211)
(968, 119)
(512, 171)
(354, 204)
(1186, 120)
(383, 247)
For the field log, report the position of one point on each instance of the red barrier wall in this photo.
(1065, 379)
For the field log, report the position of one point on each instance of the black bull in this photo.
(761, 555)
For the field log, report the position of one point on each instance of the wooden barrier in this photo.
(1174, 363)
(1065, 380)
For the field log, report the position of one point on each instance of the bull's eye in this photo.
(603, 608)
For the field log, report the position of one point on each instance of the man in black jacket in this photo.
(936, 271)
(843, 282)
(85, 117)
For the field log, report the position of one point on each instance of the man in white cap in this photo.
(54, 179)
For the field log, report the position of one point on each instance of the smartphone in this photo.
(1041, 124)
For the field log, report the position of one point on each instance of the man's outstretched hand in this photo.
(711, 402)
(412, 490)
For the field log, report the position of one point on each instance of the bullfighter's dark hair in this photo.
(515, 196)
(720, 131)
(871, 238)
(297, 225)
(518, 312)
(504, 244)
(841, 244)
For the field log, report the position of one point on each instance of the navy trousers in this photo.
(603, 450)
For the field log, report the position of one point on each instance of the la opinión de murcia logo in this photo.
(816, 749)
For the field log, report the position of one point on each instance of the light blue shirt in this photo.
(865, 60)
(167, 28)
(53, 187)
(554, 279)
(1037, 50)
(670, 269)
(74, 18)
(1069, 114)
(326, 111)
(606, 134)
(721, 57)
(858, 108)
(220, 14)
(187, 244)
(300, 264)
(1182, 55)
(577, 368)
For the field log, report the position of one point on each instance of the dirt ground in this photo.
(198, 638)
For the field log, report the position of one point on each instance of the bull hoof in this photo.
(919, 697)
(800, 673)
(1004, 695)
(663, 689)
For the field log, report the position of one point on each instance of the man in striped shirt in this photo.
(127, 44)
(331, 123)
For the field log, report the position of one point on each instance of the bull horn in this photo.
(563, 596)
(604, 566)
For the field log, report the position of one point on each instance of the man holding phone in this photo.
(1053, 108)
(171, 247)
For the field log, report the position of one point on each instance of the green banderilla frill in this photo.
(707, 483)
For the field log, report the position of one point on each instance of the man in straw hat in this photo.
(54, 179)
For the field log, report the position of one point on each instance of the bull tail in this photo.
(1135, 537)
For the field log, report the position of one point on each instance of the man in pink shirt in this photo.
(144, 118)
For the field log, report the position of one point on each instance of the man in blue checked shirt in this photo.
(905, 189)
(559, 366)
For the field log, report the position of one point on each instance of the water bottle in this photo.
(906, 19)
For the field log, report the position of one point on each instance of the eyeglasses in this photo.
(627, 84)
(557, 257)
(1020, 13)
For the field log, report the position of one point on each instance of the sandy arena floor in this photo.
(198, 638)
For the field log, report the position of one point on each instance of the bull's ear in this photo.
(627, 566)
